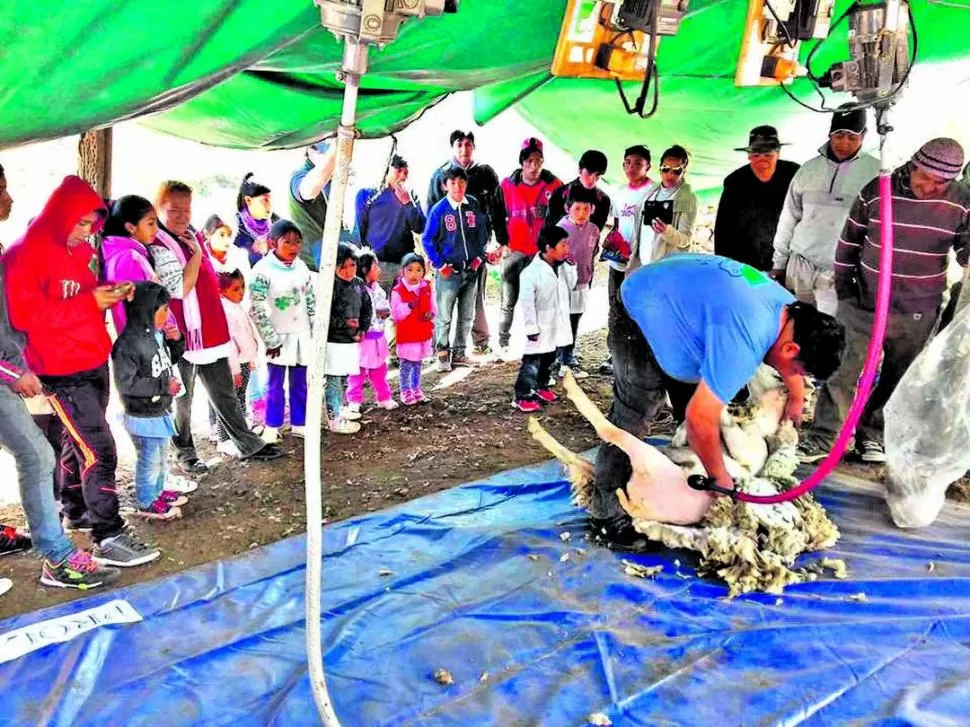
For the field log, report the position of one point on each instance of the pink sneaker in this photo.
(407, 398)
(159, 510)
(526, 405)
(173, 498)
(419, 397)
(546, 395)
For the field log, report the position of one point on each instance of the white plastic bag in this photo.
(928, 427)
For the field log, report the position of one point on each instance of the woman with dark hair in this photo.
(660, 238)
(254, 214)
(130, 229)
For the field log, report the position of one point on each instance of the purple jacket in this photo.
(125, 260)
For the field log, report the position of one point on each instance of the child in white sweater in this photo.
(245, 347)
(283, 306)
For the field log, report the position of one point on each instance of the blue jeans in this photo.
(334, 395)
(35, 467)
(459, 289)
(150, 468)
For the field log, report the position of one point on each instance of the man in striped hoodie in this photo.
(931, 214)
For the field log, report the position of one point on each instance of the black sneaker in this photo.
(266, 454)
(813, 448)
(13, 541)
(79, 570)
(76, 525)
(606, 368)
(193, 467)
(870, 451)
(124, 550)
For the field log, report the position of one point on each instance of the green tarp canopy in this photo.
(261, 75)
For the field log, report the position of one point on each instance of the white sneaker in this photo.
(299, 432)
(229, 449)
(389, 405)
(177, 483)
(352, 407)
(350, 414)
(342, 426)
(271, 435)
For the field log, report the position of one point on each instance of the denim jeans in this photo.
(35, 476)
(511, 272)
(458, 289)
(534, 373)
(150, 468)
(334, 395)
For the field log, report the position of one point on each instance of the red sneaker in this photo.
(546, 395)
(526, 405)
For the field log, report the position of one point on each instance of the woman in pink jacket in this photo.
(130, 229)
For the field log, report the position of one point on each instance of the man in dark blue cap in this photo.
(747, 216)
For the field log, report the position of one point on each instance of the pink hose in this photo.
(873, 355)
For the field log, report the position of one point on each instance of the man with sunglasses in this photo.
(662, 237)
(816, 206)
(747, 215)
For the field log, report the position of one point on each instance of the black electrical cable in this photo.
(650, 75)
(788, 39)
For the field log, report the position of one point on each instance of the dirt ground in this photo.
(468, 431)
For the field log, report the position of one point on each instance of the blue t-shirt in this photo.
(707, 318)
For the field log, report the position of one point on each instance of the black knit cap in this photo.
(398, 162)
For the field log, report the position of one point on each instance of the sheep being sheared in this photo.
(750, 546)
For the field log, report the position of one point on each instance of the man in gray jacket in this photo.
(816, 207)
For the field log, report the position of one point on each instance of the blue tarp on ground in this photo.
(530, 641)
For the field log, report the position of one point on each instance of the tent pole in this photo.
(354, 65)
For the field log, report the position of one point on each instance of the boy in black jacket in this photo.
(350, 318)
(146, 380)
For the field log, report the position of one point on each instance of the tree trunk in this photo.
(94, 160)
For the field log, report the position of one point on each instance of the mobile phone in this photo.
(658, 210)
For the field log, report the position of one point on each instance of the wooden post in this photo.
(94, 160)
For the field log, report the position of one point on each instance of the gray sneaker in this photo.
(871, 452)
(443, 364)
(124, 551)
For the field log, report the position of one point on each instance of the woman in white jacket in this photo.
(544, 308)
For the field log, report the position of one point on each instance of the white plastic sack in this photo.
(928, 427)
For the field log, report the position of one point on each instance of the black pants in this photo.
(640, 388)
(85, 450)
(534, 374)
(565, 353)
(241, 390)
(217, 378)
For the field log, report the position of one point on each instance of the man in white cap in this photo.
(816, 206)
(931, 215)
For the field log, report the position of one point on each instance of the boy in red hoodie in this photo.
(54, 299)
(526, 192)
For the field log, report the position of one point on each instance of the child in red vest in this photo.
(413, 309)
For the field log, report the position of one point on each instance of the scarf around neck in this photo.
(191, 311)
(257, 229)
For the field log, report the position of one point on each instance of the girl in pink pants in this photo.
(373, 348)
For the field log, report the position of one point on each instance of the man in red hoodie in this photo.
(527, 192)
(54, 299)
